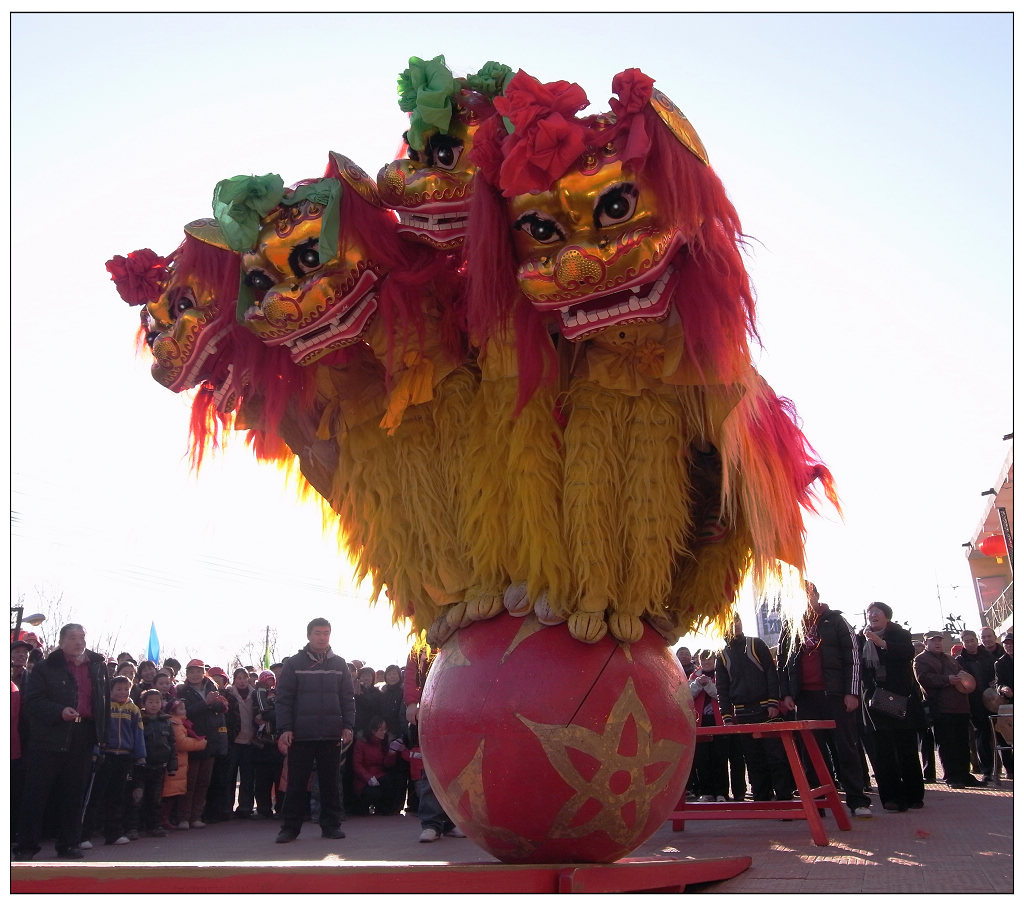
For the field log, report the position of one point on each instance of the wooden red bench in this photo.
(809, 800)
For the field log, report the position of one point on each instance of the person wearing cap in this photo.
(315, 717)
(205, 708)
(19, 662)
(219, 676)
(942, 681)
(68, 706)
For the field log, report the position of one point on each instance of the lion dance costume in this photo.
(516, 369)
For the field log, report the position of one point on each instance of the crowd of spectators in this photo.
(895, 704)
(157, 750)
(108, 749)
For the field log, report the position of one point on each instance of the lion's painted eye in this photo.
(542, 229)
(259, 281)
(305, 257)
(616, 205)
(183, 303)
(445, 151)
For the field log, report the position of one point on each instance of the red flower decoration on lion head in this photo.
(140, 277)
(634, 90)
(546, 136)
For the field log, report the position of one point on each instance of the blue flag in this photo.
(153, 651)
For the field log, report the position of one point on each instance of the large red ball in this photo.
(545, 749)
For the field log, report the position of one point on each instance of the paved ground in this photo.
(960, 842)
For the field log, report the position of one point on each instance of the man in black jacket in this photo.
(820, 679)
(206, 708)
(315, 712)
(982, 666)
(748, 693)
(68, 706)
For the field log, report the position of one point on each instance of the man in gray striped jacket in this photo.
(315, 716)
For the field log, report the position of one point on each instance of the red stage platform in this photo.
(626, 875)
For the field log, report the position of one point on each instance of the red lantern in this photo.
(544, 749)
(993, 546)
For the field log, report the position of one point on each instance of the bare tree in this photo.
(50, 602)
(954, 624)
(253, 650)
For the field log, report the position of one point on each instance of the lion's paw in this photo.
(516, 601)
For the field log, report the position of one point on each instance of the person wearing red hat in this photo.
(205, 707)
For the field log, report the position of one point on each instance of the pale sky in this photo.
(869, 157)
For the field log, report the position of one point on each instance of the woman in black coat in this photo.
(888, 663)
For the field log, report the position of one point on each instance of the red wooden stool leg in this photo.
(818, 833)
(831, 794)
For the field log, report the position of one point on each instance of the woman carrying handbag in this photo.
(893, 711)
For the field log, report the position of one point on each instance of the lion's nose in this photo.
(574, 268)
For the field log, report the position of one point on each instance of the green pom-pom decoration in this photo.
(491, 79)
(239, 203)
(425, 90)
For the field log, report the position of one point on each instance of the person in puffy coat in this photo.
(161, 759)
(944, 688)
(378, 784)
(887, 663)
(175, 785)
(67, 705)
(315, 711)
(206, 708)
